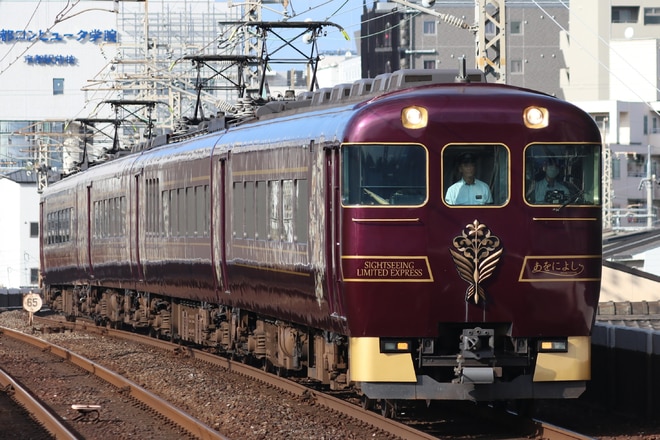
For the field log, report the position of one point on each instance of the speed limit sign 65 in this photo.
(32, 302)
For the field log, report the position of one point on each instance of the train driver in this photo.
(468, 190)
(549, 189)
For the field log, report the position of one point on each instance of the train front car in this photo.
(470, 244)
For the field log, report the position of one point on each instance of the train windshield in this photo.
(384, 174)
(560, 174)
(475, 174)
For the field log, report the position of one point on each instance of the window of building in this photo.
(651, 15)
(58, 86)
(625, 14)
(429, 64)
(516, 66)
(636, 165)
(516, 28)
(34, 229)
(602, 120)
(616, 168)
(34, 276)
(429, 27)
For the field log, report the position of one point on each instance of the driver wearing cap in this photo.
(469, 190)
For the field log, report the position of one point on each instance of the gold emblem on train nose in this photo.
(476, 255)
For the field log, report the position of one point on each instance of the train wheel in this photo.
(367, 403)
(388, 408)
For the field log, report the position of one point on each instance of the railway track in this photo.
(86, 400)
(511, 427)
(26, 414)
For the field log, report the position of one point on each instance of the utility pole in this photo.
(650, 181)
(607, 179)
(490, 52)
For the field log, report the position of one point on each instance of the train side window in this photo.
(174, 212)
(165, 195)
(201, 210)
(112, 222)
(250, 210)
(274, 210)
(475, 174)
(58, 226)
(384, 175)
(122, 213)
(238, 209)
(181, 205)
(287, 210)
(191, 227)
(562, 174)
(105, 218)
(302, 211)
(262, 210)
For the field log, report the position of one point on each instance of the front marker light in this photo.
(414, 117)
(394, 346)
(536, 117)
(550, 346)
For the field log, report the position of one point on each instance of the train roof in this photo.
(346, 95)
(367, 88)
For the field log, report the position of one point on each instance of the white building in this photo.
(19, 252)
(613, 72)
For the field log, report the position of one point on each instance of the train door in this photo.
(333, 230)
(218, 223)
(136, 218)
(88, 226)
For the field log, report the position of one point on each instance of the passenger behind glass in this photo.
(469, 190)
(548, 190)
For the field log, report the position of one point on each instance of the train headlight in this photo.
(536, 117)
(395, 346)
(553, 345)
(414, 117)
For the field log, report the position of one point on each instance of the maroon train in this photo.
(319, 237)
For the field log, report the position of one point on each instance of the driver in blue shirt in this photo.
(549, 189)
(469, 190)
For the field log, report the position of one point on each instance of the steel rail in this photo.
(180, 418)
(41, 413)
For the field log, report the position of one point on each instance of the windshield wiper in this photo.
(570, 201)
